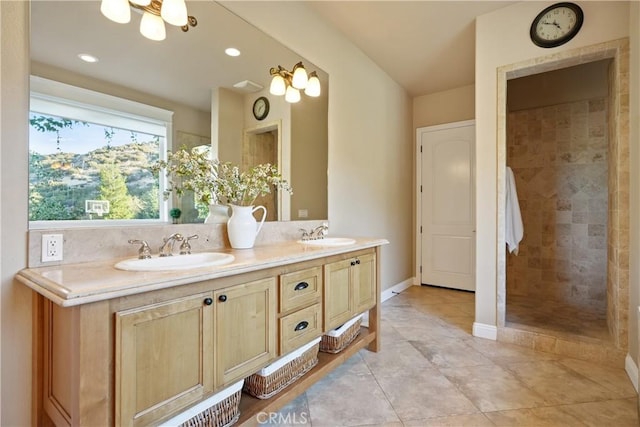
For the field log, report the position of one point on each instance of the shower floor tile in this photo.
(560, 318)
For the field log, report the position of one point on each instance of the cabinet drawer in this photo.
(299, 328)
(300, 288)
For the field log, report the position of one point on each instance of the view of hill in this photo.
(61, 182)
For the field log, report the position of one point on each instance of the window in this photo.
(89, 157)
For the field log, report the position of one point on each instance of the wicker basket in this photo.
(336, 340)
(219, 410)
(275, 377)
(222, 414)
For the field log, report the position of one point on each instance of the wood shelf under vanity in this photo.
(327, 362)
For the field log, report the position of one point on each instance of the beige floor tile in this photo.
(557, 383)
(618, 413)
(450, 353)
(349, 400)
(503, 353)
(492, 388)
(462, 326)
(553, 416)
(426, 393)
(615, 380)
(474, 420)
(395, 360)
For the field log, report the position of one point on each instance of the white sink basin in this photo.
(329, 241)
(176, 262)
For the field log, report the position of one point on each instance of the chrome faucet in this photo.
(319, 232)
(167, 247)
(185, 247)
(145, 251)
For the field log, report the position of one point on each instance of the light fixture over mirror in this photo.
(290, 83)
(154, 14)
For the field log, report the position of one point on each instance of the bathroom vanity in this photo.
(123, 348)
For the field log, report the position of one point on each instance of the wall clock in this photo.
(556, 25)
(261, 108)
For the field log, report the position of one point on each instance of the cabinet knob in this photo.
(357, 261)
(222, 298)
(300, 286)
(208, 301)
(353, 263)
(302, 325)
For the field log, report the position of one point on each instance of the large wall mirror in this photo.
(208, 94)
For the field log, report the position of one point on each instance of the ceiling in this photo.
(425, 46)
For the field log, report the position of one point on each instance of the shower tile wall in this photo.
(558, 155)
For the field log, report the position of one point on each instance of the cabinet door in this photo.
(338, 294)
(164, 358)
(245, 329)
(364, 282)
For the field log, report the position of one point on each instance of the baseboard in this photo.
(481, 330)
(395, 290)
(632, 370)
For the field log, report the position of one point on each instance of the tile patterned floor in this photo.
(432, 372)
(561, 318)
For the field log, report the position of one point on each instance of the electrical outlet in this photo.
(51, 247)
(303, 213)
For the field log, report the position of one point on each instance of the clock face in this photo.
(556, 25)
(261, 108)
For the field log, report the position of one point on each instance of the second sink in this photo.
(329, 241)
(178, 262)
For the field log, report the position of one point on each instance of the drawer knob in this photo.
(208, 301)
(300, 286)
(353, 263)
(357, 261)
(222, 298)
(302, 325)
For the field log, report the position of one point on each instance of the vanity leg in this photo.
(374, 313)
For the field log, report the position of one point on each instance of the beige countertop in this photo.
(75, 284)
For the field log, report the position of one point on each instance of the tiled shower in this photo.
(559, 157)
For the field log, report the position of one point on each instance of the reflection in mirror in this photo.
(189, 75)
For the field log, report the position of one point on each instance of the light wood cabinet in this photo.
(349, 289)
(164, 358)
(143, 358)
(244, 329)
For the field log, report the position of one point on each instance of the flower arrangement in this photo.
(215, 182)
(193, 170)
(242, 188)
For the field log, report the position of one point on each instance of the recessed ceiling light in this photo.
(232, 51)
(87, 58)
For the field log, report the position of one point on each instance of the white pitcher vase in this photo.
(218, 214)
(243, 227)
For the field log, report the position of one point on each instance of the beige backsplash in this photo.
(104, 243)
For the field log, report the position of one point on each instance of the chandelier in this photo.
(290, 83)
(154, 14)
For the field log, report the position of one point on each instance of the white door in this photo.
(446, 211)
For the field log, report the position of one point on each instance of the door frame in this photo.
(283, 199)
(418, 182)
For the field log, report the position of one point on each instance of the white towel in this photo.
(514, 229)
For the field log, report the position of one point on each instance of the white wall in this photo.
(453, 105)
(370, 133)
(502, 38)
(15, 299)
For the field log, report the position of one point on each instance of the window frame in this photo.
(96, 107)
